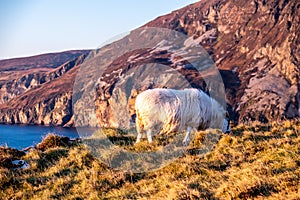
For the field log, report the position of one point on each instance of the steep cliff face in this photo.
(53, 111)
(256, 43)
(41, 96)
(30, 79)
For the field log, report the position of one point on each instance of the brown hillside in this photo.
(255, 45)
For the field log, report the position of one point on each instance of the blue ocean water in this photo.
(22, 136)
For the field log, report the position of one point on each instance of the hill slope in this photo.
(255, 162)
(255, 45)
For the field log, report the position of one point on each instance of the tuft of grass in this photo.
(52, 140)
(258, 161)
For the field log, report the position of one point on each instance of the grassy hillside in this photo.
(256, 161)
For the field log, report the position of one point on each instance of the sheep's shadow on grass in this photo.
(128, 139)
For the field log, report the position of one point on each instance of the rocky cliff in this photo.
(41, 92)
(254, 44)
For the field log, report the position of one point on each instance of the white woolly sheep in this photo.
(169, 110)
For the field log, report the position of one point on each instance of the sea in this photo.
(22, 136)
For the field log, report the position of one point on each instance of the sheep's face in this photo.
(226, 125)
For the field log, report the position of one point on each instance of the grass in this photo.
(258, 161)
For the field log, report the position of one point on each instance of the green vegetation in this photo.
(254, 161)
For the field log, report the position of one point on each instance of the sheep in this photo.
(169, 110)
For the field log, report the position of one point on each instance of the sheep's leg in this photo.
(139, 128)
(149, 135)
(138, 139)
(139, 132)
(187, 136)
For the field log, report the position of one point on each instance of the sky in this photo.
(34, 27)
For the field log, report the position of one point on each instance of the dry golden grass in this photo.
(253, 162)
